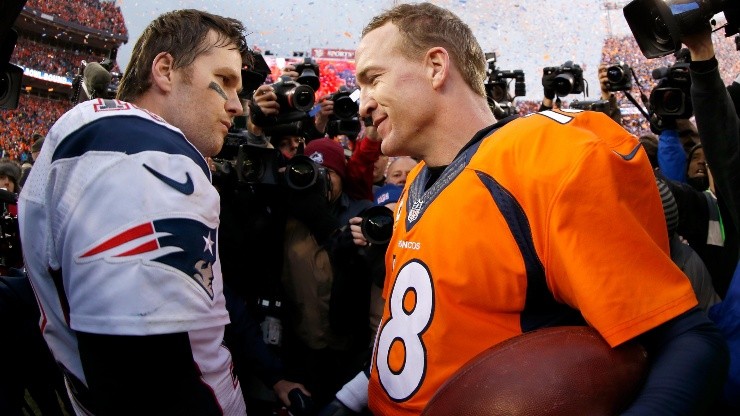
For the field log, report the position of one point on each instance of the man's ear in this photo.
(437, 62)
(162, 69)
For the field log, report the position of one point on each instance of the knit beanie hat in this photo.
(327, 153)
(693, 149)
(36, 146)
(11, 170)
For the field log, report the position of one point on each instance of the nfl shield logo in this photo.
(414, 212)
(413, 215)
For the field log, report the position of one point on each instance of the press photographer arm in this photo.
(716, 121)
(322, 117)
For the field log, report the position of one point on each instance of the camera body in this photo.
(295, 101)
(345, 118)
(619, 77)
(308, 73)
(564, 79)
(345, 103)
(671, 97)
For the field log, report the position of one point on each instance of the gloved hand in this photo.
(336, 408)
(547, 85)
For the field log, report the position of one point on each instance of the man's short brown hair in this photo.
(424, 26)
(183, 34)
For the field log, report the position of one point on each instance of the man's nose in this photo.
(367, 104)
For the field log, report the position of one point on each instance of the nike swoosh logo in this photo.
(186, 187)
(631, 154)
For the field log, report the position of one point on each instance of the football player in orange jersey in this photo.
(502, 228)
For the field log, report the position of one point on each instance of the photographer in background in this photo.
(327, 281)
(718, 124)
(608, 88)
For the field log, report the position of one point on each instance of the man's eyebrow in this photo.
(362, 75)
(232, 76)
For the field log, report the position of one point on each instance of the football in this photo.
(548, 372)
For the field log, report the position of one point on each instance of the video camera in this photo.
(10, 75)
(671, 97)
(497, 87)
(564, 79)
(659, 25)
(619, 77)
(345, 119)
(95, 80)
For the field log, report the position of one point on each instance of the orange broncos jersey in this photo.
(553, 219)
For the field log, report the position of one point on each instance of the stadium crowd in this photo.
(334, 74)
(101, 15)
(34, 115)
(54, 60)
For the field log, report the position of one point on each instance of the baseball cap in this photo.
(387, 194)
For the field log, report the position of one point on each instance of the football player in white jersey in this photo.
(119, 224)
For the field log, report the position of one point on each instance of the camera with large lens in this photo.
(564, 79)
(671, 97)
(308, 73)
(295, 101)
(660, 25)
(345, 118)
(301, 173)
(345, 103)
(377, 224)
(619, 77)
(293, 96)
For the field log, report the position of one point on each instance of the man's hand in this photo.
(262, 106)
(283, 387)
(327, 109)
(355, 228)
(290, 71)
(700, 45)
(604, 81)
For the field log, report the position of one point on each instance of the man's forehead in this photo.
(380, 40)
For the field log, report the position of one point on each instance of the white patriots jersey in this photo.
(119, 224)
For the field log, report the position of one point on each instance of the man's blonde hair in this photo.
(424, 26)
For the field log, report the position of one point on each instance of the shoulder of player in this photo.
(119, 127)
(561, 134)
